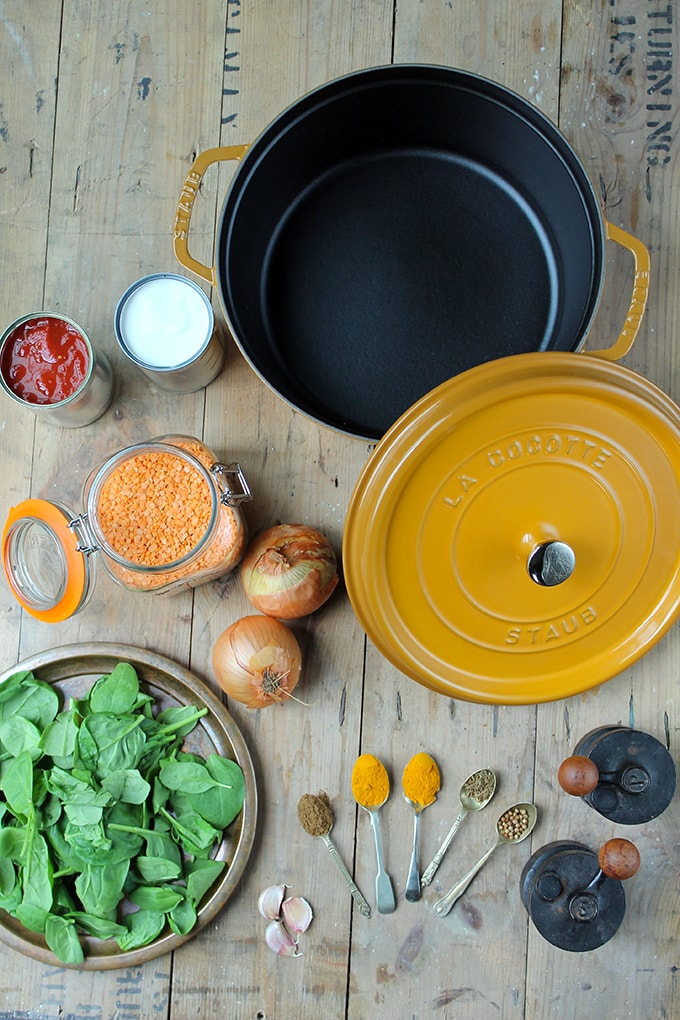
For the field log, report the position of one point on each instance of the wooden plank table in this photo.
(103, 108)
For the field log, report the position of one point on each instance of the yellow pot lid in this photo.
(515, 537)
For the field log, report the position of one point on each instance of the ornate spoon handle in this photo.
(443, 906)
(428, 874)
(353, 887)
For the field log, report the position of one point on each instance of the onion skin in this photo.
(289, 571)
(257, 661)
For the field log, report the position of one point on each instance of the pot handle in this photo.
(638, 301)
(180, 234)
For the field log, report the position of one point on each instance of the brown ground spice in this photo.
(315, 814)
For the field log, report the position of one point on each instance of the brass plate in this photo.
(72, 669)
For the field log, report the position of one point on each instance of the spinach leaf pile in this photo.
(106, 826)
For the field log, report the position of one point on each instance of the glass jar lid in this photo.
(47, 569)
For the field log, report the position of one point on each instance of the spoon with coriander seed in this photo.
(514, 825)
(316, 817)
(475, 794)
(420, 782)
(371, 788)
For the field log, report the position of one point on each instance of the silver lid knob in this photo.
(551, 563)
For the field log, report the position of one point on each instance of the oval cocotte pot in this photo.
(396, 227)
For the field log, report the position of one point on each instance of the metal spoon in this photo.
(413, 881)
(384, 893)
(316, 818)
(443, 906)
(421, 774)
(468, 803)
(353, 887)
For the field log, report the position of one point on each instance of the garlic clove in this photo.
(270, 900)
(280, 940)
(297, 915)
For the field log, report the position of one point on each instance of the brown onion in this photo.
(289, 571)
(257, 661)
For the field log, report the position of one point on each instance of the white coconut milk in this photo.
(165, 324)
(165, 321)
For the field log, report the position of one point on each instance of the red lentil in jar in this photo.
(160, 516)
(155, 509)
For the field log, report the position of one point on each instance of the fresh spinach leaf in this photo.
(18, 734)
(88, 841)
(157, 869)
(120, 824)
(127, 785)
(65, 858)
(13, 843)
(62, 938)
(182, 918)
(143, 927)
(99, 927)
(107, 742)
(201, 874)
(59, 738)
(192, 831)
(189, 777)
(17, 786)
(8, 876)
(30, 698)
(37, 872)
(99, 887)
(117, 692)
(151, 897)
(222, 801)
(31, 916)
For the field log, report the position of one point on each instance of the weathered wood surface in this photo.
(102, 108)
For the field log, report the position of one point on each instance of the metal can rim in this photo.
(34, 405)
(137, 285)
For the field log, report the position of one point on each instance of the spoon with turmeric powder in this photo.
(371, 788)
(420, 782)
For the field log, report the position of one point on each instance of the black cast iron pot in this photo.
(396, 227)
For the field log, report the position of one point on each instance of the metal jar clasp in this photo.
(231, 483)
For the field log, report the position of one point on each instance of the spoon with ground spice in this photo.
(475, 793)
(371, 788)
(514, 825)
(316, 817)
(420, 782)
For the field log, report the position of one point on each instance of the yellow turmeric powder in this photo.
(421, 779)
(370, 782)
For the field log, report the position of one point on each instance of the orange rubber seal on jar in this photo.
(75, 579)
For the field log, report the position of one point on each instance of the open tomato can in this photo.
(160, 516)
(48, 365)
